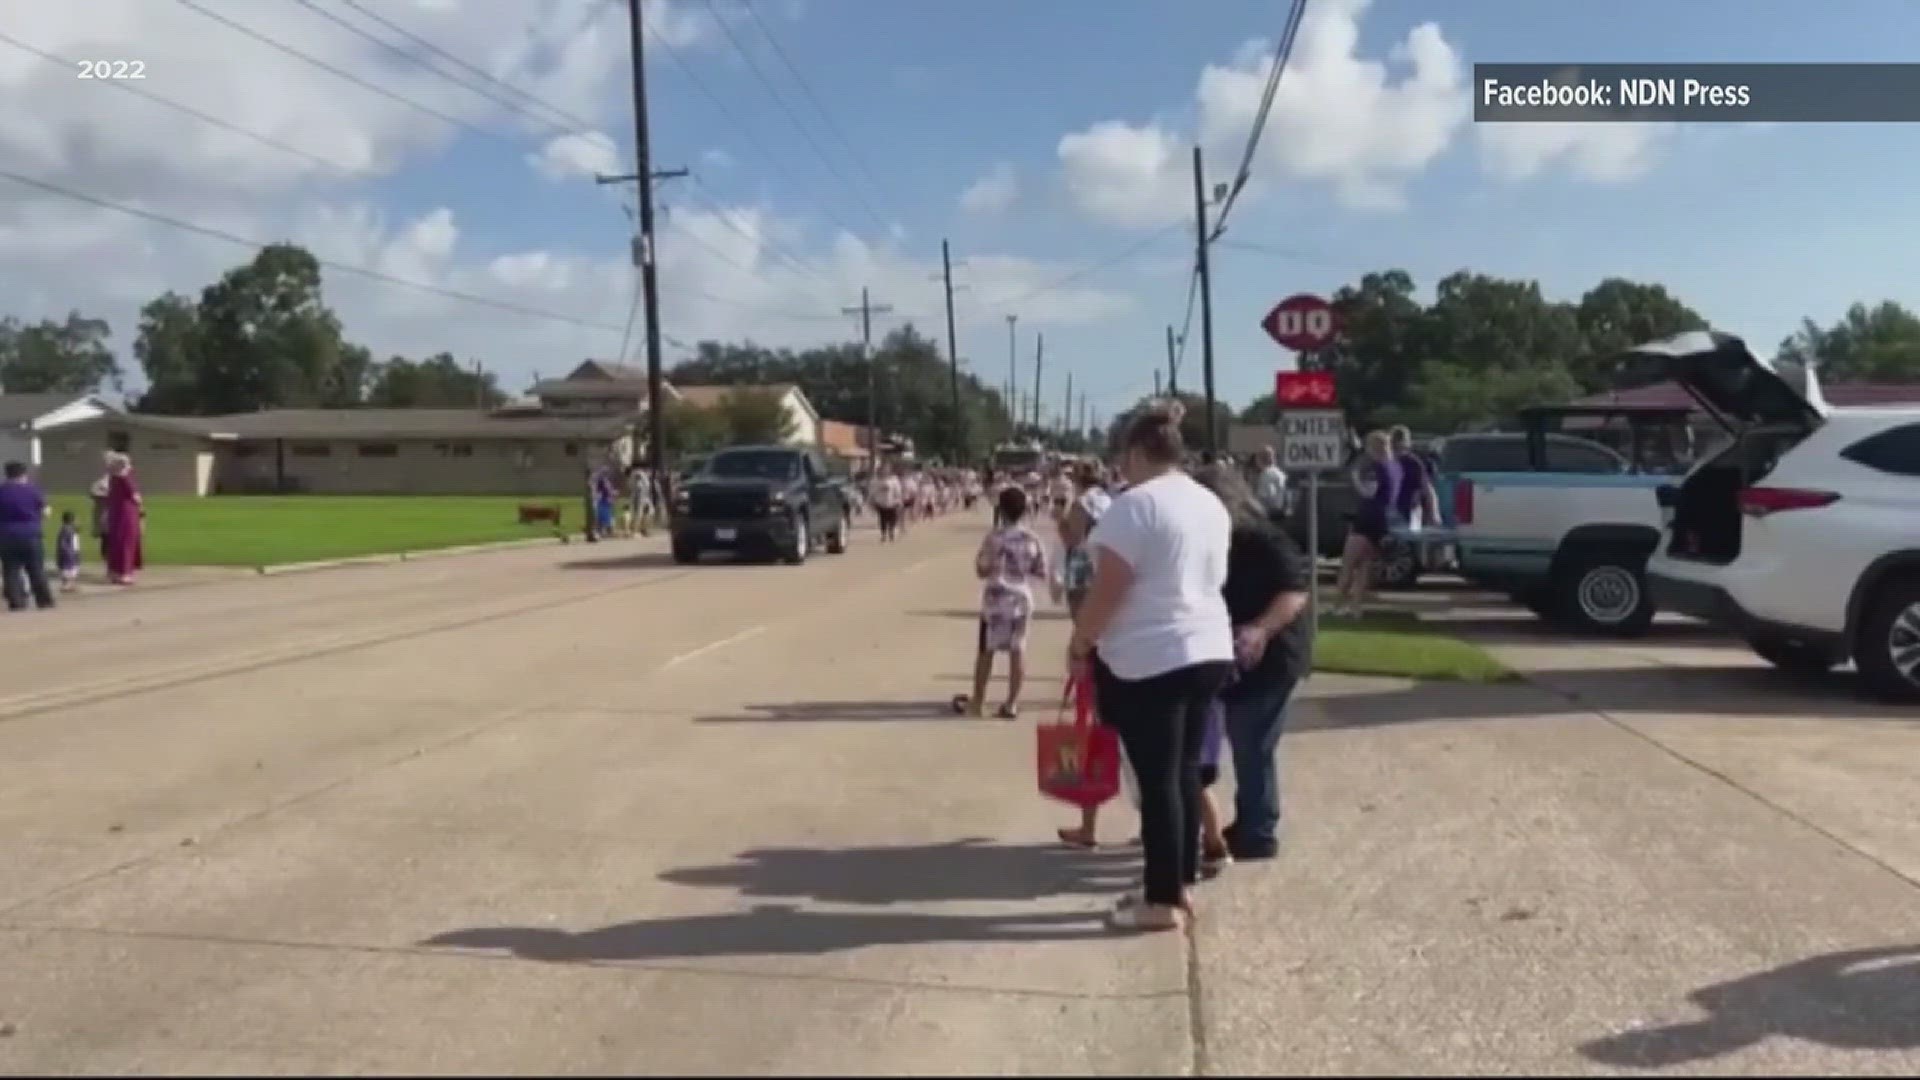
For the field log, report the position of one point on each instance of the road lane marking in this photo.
(749, 632)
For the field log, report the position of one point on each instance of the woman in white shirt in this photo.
(1155, 627)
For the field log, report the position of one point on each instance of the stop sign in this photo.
(1302, 322)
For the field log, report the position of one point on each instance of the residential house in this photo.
(806, 422)
(26, 420)
(344, 451)
(596, 388)
(845, 441)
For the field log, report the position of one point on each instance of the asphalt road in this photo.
(580, 810)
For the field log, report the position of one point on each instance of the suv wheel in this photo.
(1887, 648)
(837, 543)
(685, 554)
(1604, 594)
(1793, 657)
(801, 545)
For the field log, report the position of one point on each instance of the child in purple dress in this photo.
(1010, 560)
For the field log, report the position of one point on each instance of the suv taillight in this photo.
(1463, 502)
(1761, 501)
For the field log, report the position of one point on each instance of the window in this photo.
(310, 449)
(454, 449)
(1569, 455)
(573, 449)
(1486, 453)
(160, 444)
(1896, 451)
(119, 441)
(379, 449)
(241, 450)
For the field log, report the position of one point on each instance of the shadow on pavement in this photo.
(1864, 999)
(642, 560)
(767, 930)
(831, 711)
(1717, 690)
(1517, 628)
(972, 869)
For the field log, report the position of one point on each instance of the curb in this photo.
(390, 558)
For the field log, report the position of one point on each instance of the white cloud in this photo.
(1362, 125)
(993, 192)
(575, 155)
(716, 158)
(1601, 153)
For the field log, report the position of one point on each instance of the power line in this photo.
(726, 216)
(463, 83)
(204, 117)
(345, 268)
(337, 72)
(584, 127)
(774, 93)
(1282, 51)
(1107, 262)
(853, 153)
(727, 113)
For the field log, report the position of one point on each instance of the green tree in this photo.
(1193, 421)
(438, 382)
(1877, 344)
(693, 430)
(755, 416)
(1618, 314)
(261, 337)
(1261, 410)
(56, 357)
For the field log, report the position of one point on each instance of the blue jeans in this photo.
(1255, 718)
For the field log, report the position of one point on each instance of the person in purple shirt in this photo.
(23, 552)
(1417, 503)
(1377, 482)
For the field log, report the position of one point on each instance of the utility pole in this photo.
(1013, 379)
(643, 253)
(1039, 350)
(1206, 301)
(866, 311)
(1173, 368)
(953, 359)
(1156, 382)
(1066, 414)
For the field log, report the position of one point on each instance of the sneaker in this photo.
(1252, 851)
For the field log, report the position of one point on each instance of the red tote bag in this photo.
(1078, 760)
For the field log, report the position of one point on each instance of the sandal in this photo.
(1008, 712)
(1212, 862)
(960, 703)
(1074, 837)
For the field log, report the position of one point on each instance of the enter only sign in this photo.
(1312, 440)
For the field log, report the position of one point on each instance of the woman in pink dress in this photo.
(123, 525)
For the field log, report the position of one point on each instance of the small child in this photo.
(66, 552)
(1010, 558)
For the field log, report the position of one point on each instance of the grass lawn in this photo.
(267, 530)
(1400, 645)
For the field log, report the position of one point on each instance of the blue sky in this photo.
(1756, 226)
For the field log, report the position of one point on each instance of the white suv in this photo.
(1803, 534)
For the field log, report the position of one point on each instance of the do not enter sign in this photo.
(1303, 323)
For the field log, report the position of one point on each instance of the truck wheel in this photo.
(1886, 648)
(801, 545)
(1792, 657)
(685, 554)
(1603, 594)
(837, 543)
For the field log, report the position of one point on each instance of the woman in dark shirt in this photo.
(1377, 483)
(1266, 594)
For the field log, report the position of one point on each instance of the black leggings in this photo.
(1162, 722)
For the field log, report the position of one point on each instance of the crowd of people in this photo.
(901, 495)
(1188, 604)
(118, 523)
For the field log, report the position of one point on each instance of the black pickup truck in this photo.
(772, 500)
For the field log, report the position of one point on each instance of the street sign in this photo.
(1303, 390)
(1302, 322)
(1312, 440)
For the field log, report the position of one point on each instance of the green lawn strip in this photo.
(272, 530)
(1397, 644)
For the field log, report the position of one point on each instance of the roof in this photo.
(1842, 395)
(605, 370)
(19, 410)
(320, 424)
(840, 437)
(706, 397)
(635, 389)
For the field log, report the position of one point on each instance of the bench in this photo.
(534, 514)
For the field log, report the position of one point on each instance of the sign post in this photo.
(1313, 430)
